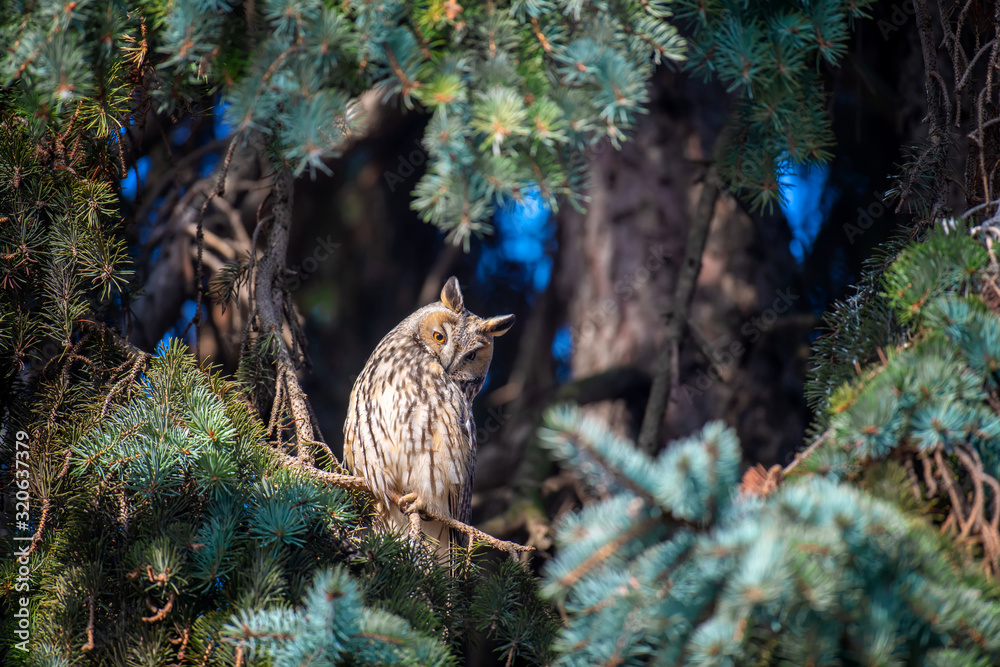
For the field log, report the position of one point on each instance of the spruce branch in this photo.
(807, 452)
(140, 359)
(606, 551)
(967, 511)
(761, 482)
(36, 539)
(183, 642)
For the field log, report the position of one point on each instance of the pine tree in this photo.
(165, 524)
(877, 545)
(171, 533)
(168, 524)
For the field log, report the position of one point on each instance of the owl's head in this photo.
(461, 341)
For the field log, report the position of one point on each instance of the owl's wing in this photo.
(366, 440)
(460, 501)
(460, 496)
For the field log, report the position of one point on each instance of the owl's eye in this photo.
(439, 337)
(471, 356)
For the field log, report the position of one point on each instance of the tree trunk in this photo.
(621, 261)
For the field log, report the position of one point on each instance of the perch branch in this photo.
(352, 482)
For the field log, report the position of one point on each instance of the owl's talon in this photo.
(411, 503)
(414, 530)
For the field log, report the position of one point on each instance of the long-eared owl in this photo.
(409, 427)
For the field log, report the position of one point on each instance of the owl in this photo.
(409, 426)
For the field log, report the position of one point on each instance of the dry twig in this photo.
(677, 315)
(160, 613)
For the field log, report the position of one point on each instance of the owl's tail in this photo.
(438, 534)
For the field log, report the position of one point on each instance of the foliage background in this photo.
(117, 125)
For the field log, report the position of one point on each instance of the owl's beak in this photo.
(453, 361)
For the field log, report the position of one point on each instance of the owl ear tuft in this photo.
(451, 295)
(499, 325)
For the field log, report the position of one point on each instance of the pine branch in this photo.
(606, 551)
